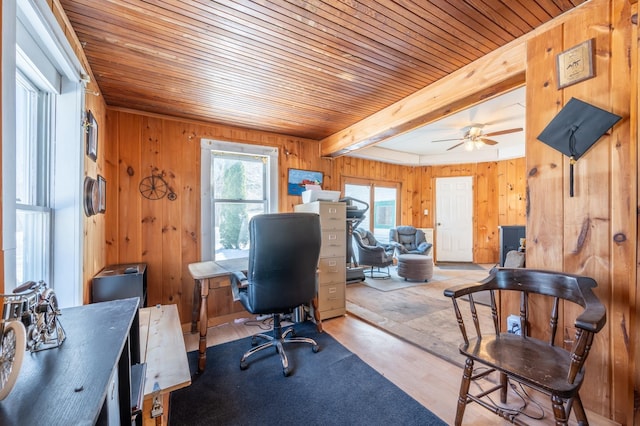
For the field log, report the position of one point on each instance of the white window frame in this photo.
(45, 56)
(38, 166)
(206, 147)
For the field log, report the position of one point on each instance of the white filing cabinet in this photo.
(332, 272)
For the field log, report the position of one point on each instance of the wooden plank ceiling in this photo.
(306, 68)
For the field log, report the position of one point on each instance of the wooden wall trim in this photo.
(254, 134)
(76, 45)
(634, 286)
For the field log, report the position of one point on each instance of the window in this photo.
(239, 182)
(33, 212)
(383, 205)
(42, 150)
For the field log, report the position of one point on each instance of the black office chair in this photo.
(282, 275)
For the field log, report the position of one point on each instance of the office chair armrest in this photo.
(239, 284)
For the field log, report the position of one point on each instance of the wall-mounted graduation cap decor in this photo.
(575, 129)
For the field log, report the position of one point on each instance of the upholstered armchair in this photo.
(373, 253)
(409, 240)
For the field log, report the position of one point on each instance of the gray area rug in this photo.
(417, 312)
(397, 283)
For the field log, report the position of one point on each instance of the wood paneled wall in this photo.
(162, 233)
(94, 248)
(593, 233)
(165, 234)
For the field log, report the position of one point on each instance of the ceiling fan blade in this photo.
(503, 132)
(447, 140)
(488, 141)
(455, 146)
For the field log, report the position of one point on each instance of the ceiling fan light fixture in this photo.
(475, 131)
(478, 143)
(468, 145)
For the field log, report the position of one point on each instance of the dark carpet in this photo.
(331, 387)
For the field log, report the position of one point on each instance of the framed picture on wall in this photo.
(297, 179)
(91, 136)
(102, 194)
(575, 65)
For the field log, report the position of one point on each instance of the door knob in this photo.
(439, 224)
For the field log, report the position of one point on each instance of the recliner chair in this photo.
(409, 240)
(373, 253)
(281, 276)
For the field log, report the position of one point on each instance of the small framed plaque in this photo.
(575, 64)
(91, 135)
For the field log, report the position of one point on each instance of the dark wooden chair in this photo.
(530, 361)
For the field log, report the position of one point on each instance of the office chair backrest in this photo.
(283, 260)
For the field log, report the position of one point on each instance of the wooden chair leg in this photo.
(464, 390)
(558, 411)
(578, 409)
(504, 381)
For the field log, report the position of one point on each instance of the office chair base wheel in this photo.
(286, 371)
(315, 349)
(243, 365)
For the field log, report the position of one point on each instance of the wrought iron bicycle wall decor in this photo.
(154, 187)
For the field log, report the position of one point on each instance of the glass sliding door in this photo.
(383, 205)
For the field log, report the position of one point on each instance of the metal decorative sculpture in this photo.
(29, 321)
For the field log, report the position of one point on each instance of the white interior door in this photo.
(454, 219)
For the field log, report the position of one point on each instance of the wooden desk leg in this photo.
(195, 311)
(204, 320)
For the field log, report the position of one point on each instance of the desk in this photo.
(201, 273)
(87, 379)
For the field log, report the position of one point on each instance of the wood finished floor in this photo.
(430, 380)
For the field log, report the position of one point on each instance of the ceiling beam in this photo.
(494, 73)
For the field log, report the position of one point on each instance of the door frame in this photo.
(472, 212)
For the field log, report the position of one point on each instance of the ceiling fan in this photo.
(473, 137)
